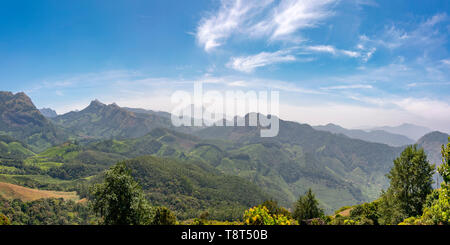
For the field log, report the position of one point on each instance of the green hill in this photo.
(190, 188)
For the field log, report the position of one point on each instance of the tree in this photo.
(163, 216)
(119, 200)
(437, 211)
(307, 207)
(411, 181)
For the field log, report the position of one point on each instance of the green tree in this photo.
(307, 207)
(411, 181)
(119, 200)
(444, 169)
(437, 210)
(163, 216)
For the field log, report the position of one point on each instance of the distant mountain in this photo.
(377, 136)
(150, 112)
(409, 130)
(99, 120)
(23, 121)
(432, 143)
(47, 112)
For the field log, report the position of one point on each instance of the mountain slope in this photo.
(191, 188)
(409, 130)
(377, 136)
(21, 120)
(339, 169)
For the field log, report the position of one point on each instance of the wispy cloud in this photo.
(214, 29)
(267, 19)
(292, 15)
(426, 34)
(353, 86)
(250, 63)
(332, 50)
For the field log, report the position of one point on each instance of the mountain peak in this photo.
(48, 112)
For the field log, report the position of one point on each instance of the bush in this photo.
(163, 216)
(260, 215)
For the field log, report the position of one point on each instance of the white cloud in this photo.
(232, 15)
(261, 19)
(293, 15)
(353, 86)
(334, 51)
(250, 63)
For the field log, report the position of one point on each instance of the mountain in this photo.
(23, 121)
(47, 112)
(339, 169)
(377, 136)
(409, 130)
(100, 121)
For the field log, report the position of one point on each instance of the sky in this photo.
(349, 62)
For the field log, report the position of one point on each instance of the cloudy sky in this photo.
(350, 62)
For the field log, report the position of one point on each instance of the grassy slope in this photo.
(11, 191)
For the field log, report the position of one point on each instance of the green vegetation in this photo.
(163, 216)
(411, 183)
(212, 175)
(307, 207)
(120, 200)
(49, 211)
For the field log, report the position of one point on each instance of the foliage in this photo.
(410, 183)
(119, 200)
(260, 215)
(4, 220)
(366, 213)
(163, 216)
(437, 210)
(49, 211)
(190, 188)
(307, 207)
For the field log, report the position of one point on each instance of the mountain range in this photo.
(77, 146)
(409, 130)
(377, 136)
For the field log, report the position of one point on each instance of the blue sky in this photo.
(354, 62)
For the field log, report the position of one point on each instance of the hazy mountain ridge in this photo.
(377, 136)
(409, 130)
